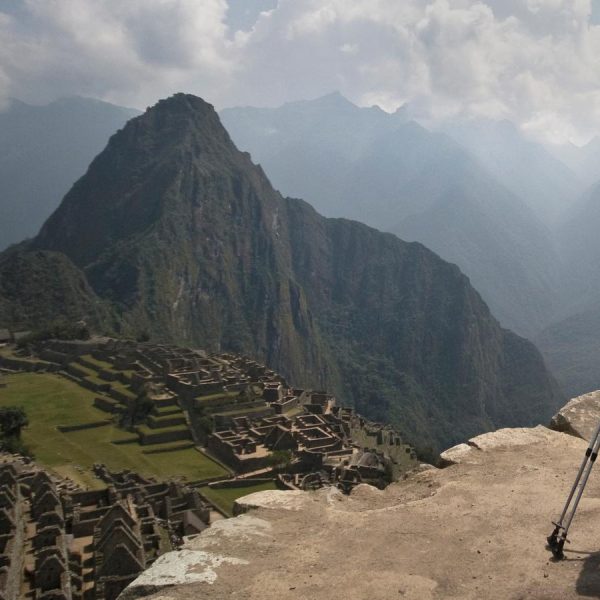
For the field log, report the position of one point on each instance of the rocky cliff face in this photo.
(395, 175)
(475, 530)
(184, 237)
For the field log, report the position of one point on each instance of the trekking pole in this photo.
(556, 540)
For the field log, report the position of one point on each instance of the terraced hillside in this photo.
(76, 420)
(167, 411)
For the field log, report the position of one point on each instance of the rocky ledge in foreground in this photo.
(475, 530)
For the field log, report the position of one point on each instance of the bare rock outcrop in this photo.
(516, 436)
(475, 530)
(579, 417)
(290, 500)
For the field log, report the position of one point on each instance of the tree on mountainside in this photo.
(57, 329)
(137, 412)
(12, 421)
(280, 459)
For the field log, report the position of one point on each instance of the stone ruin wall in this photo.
(51, 531)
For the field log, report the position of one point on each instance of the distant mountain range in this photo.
(572, 343)
(175, 233)
(526, 168)
(584, 161)
(43, 150)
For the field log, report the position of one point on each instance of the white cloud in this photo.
(131, 52)
(532, 61)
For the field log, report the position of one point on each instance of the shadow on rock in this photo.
(588, 582)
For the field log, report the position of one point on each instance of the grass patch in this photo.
(119, 387)
(83, 369)
(8, 352)
(146, 430)
(168, 446)
(50, 400)
(100, 364)
(96, 381)
(294, 412)
(165, 411)
(94, 377)
(158, 419)
(216, 396)
(89, 374)
(225, 497)
(241, 411)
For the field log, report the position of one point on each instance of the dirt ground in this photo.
(475, 530)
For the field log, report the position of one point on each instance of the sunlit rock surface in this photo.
(580, 416)
(475, 530)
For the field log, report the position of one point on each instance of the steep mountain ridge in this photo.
(395, 175)
(480, 226)
(40, 286)
(186, 239)
(580, 247)
(572, 350)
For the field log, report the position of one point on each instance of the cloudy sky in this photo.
(536, 62)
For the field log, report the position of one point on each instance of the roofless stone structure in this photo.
(61, 542)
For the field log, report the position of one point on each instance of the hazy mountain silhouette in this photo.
(572, 343)
(584, 160)
(525, 167)
(43, 150)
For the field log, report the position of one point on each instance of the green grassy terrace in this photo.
(94, 377)
(50, 400)
(90, 375)
(166, 411)
(213, 398)
(241, 411)
(145, 429)
(8, 352)
(225, 497)
(99, 364)
(119, 387)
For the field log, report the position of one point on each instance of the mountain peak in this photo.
(183, 113)
(334, 100)
(182, 102)
(181, 110)
(135, 180)
(335, 97)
